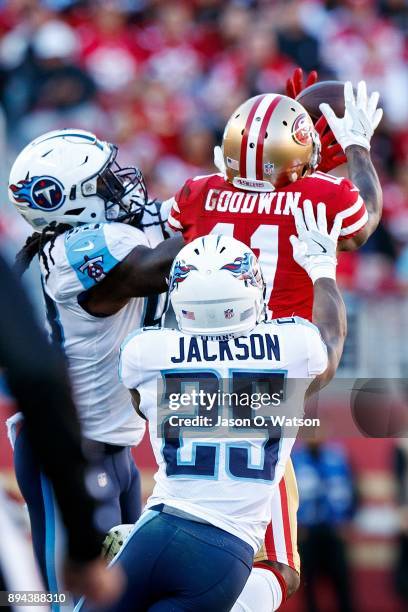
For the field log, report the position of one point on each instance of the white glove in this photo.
(314, 249)
(360, 120)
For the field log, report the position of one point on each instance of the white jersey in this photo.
(223, 478)
(78, 260)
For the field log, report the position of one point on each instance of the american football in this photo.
(331, 92)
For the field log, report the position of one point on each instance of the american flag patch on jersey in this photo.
(188, 314)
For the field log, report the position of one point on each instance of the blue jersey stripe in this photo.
(49, 538)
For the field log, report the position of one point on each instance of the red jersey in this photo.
(264, 221)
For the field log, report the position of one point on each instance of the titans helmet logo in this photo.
(41, 192)
(180, 273)
(245, 268)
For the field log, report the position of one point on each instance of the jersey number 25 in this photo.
(204, 462)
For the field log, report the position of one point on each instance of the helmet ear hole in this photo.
(77, 211)
(242, 132)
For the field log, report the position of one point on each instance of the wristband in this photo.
(323, 270)
(357, 141)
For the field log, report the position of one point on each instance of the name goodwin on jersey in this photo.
(273, 202)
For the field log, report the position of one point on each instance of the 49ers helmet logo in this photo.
(302, 130)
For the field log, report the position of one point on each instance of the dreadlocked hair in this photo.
(35, 246)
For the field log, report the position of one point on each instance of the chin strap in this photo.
(219, 160)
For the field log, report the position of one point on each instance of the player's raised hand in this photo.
(294, 85)
(331, 154)
(360, 120)
(314, 248)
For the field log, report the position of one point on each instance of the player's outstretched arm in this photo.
(142, 273)
(329, 316)
(354, 132)
(364, 176)
(315, 250)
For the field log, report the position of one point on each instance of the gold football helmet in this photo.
(268, 142)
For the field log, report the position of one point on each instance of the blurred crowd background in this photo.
(160, 78)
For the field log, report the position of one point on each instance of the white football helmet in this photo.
(71, 177)
(216, 287)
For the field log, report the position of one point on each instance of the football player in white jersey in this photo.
(207, 515)
(101, 251)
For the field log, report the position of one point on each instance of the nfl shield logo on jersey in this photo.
(229, 313)
(102, 479)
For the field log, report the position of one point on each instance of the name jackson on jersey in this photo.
(256, 346)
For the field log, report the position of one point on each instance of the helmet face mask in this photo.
(123, 191)
(216, 288)
(269, 142)
(70, 177)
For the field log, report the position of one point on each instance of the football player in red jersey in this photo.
(270, 164)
